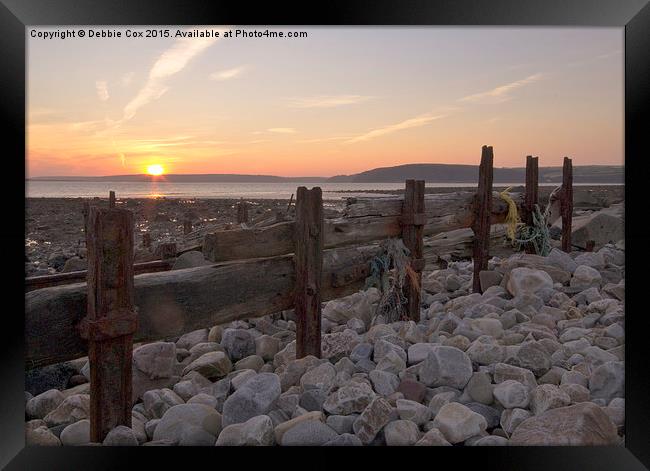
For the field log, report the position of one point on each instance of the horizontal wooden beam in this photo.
(363, 222)
(46, 281)
(174, 302)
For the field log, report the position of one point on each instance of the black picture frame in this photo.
(633, 15)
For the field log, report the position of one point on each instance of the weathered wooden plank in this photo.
(412, 230)
(111, 319)
(308, 266)
(277, 239)
(459, 244)
(566, 203)
(46, 281)
(481, 224)
(175, 302)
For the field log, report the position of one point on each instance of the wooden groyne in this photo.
(256, 271)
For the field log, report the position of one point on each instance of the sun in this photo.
(155, 169)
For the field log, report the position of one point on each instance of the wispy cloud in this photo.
(282, 130)
(597, 58)
(170, 62)
(228, 73)
(102, 89)
(502, 93)
(326, 101)
(126, 79)
(418, 121)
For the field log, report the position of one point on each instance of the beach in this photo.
(54, 226)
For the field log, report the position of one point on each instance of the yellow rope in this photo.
(512, 219)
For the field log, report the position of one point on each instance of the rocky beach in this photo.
(536, 359)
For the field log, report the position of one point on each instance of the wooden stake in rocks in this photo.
(309, 267)
(566, 204)
(242, 212)
(111, 319)
(413, 219)
(481, 224)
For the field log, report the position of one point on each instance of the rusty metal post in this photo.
(481, 223)
(111, 320)
(566, 203)
(413, 219)
(309, 267)
(242, 212)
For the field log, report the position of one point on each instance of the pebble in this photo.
(308, 433)
(458, 423)
(256, 431)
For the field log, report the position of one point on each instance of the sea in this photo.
(217, 190)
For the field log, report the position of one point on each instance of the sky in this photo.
(340, 101)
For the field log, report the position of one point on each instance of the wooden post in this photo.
(111, 319)
(85, 210)
(187, 226)
(166, 250)
(566, 203)
(591, 244)
(242, 212)
(309, 266)
(413, 220)
(531, 197)
(111, 199)
(481, 224)
(532, 188)
(146, 240)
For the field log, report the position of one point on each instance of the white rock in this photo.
(413, 411)
(401, 433)
(121, 436)
(511, 394)
(527, 280)
(256, 431)
(77, 433)
(39, 406)
(458, 423)
(189, 424)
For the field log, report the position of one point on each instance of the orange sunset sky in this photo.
(341, 101)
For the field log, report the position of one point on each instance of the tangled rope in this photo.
(521, 234)
(512, 219)
(389, 272)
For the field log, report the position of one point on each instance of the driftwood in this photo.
(364, 222)
(174, 302)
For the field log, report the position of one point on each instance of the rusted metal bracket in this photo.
(118, 324)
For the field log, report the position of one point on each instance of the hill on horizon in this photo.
(431, 173)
